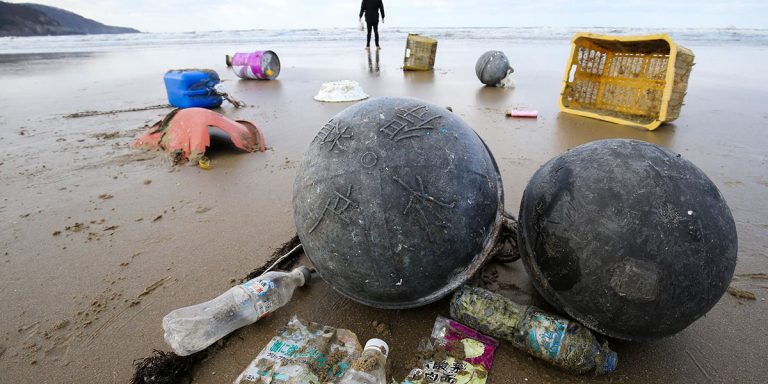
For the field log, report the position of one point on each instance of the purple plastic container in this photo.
(260, 65)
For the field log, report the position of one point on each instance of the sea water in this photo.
(266, 37)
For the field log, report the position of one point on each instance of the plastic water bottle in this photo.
(559, 341)
(192, 329)
(371, 367)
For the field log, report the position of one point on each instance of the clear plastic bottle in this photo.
(555, 339)
(371, 367)
(192, 329)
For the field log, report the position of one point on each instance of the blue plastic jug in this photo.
(188, 88)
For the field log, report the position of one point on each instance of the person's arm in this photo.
(362, 9)
(381, 7)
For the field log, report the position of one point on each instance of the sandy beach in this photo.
(99, 241)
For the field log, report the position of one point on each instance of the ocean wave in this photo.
(91, 43)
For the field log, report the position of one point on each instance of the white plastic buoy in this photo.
(340, 91)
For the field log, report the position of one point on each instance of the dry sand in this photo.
(98, 242)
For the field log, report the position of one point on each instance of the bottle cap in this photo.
(611, 360)
(378, 344)
(305, 273)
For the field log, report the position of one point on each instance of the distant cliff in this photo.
(42, 20)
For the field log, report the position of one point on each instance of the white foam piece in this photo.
(340, 91)
(507, 81)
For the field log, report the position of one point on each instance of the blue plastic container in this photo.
(189, 88)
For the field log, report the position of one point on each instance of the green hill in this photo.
(42, 20)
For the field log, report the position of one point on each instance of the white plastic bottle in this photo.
(371, 367)
(192, 329)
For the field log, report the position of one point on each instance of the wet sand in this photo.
(99, 241)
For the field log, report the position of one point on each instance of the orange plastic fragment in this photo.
(184, 134)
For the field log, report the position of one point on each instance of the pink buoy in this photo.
(260, 65)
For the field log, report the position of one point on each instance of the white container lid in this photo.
(377, 344)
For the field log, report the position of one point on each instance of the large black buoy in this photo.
(397, 202)
(628, 238)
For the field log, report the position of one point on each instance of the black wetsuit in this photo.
(371, 9)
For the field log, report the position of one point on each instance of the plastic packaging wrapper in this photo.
(303, 354)
(454, 354)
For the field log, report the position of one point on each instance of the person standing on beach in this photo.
(371, 9)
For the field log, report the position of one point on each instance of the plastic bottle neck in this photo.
(304, 275)
(374, 351)
(378, 346)
(299, 275)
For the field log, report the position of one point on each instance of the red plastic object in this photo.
(184, 134)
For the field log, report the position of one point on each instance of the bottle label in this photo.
(259, 288)
(545, 334)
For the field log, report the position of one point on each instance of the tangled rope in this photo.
(506, 249)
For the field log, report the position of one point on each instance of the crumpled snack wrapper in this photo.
(300, 353)
(454, 354)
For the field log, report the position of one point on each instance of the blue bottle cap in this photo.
(611, 360)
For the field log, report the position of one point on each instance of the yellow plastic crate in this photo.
(626, 79)
(420, 53)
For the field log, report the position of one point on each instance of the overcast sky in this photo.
(199, 15)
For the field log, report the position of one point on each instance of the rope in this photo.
(283, 257)
(506, 249)
(221, 91)
(97, 113)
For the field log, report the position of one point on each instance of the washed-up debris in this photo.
(107, 135)
(561, 342)
(164, 367)
(448, 212)
(420, 52)
(630, 80)
(185, 135)
(371, 366)
(204, 163)
(194, 328)
(341, 91)
(167, 367)
(574, 239)
(454, 353)
(515, 112)
(283, 258)
(756, 276)
(493, 69)
(741, 294)
(192, 88)
(222, 91)
(259, 65)
(381, 329)
(303, 353)
(116, 111)
(507, 82)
